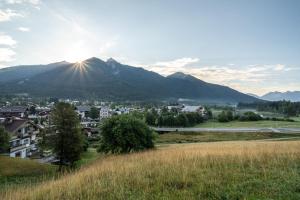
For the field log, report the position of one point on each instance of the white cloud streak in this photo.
(8, 14)
(6, 55)
(7, 40)
(33, 2)
(24, 29)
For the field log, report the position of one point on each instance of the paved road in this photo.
(236, 130)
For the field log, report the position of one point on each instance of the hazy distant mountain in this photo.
(253, 95)
(111, 80)
(277, 96)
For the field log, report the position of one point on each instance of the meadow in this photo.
(216, 170)
(247, 124)
(16, 172)
(193, 137)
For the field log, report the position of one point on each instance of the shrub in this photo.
(123, 134)
(225, 116)
(4, 140)
(250, 116)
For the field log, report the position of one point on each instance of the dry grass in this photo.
(224, 170)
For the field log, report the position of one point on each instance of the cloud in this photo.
(8, 14)
(33, 2)
(24, 29)
(7, 40)
(169, 67)
(182, 62)
(6, 55)
(279, 67)
(247, 78)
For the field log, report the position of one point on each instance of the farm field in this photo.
(250, 124)
(193, 137)
(216, 170)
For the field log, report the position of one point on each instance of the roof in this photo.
(13, 109)
(83, 108)
(191, 108)
(14, 125)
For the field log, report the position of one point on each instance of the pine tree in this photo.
(66, 138)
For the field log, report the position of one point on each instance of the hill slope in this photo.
(113, 81)
(278, 96)
(227, 170)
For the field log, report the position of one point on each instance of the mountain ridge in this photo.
(112, 80)
(278, 96)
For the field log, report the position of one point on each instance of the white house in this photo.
(14, 111)
(104, 113)
(23, 137)
(83, 111)
(199, 109)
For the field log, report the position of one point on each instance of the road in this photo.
(235, 130)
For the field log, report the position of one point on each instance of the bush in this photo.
(250, 116)
(4, 140)
(123, 134)
(225, 116)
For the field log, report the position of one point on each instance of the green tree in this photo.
(32, 110)
(66, 137)
(150, 118)
(124, 133)
(229, 115)
(182, 120)
(164, 110)
(4, 140)
(222, 117)
(94, 113)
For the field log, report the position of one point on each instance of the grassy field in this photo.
(16, 171)
(193, 137)
(221, 170)
(256, 124)
(88, 157)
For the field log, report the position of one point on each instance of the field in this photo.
(193, 137)
(16, 171)
(254, 124)
(217, 170)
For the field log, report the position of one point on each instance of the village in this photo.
(26, 123)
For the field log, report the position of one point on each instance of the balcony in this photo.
(19, 147)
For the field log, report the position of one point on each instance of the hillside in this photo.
(17, 171)
(223, 170)
(111, 80)
(279, 96)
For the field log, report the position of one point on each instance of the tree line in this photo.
(172, 118)
(287, 108)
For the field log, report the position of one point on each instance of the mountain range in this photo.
(277, 96)
(111, 80)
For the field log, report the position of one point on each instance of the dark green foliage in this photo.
(225, 116)
(209, 114)
(173, 119)
(32, 110)
(250, 116)
(86, 143)
(4, 140)
(182, 120)
(66, 138)
(137, 115)
(123, 134)
(94, 113)
(150, 118)
(287, 108)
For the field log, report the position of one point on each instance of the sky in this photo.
(252, 46)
